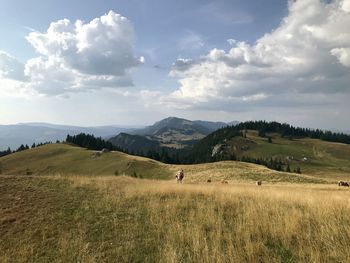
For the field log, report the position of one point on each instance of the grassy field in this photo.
(324, 159)
(123, 219)
(64, 159)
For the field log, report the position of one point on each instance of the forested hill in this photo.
(203, 149)
(287, 130)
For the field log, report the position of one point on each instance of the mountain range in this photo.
(171, 131)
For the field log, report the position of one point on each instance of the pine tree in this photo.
(288, 169)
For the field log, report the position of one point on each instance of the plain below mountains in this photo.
(171, 132)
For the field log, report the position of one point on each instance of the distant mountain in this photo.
(170, 132)
(173, 123)
(177, 132)
(28, 133)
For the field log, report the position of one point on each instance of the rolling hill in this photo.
(69, 160)
(314, 156)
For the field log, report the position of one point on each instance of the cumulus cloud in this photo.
(308, 53)
(77, 56)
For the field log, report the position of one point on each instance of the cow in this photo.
(209, 180)
(180, 176)
(258, 183)
(342, 183)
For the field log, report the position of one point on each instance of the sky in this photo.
(134, 62)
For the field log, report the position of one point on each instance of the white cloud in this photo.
(307, 53)
(346, 6)
(10, 67)
(77, 56)
(343, 55)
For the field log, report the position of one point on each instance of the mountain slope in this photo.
(133, 142)
(174, 123)
(313, 156)
(68, 160)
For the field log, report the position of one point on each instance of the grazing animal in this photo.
(342, 183)
(209, 180)
(224, 182)
(258, 183)
(180, 176)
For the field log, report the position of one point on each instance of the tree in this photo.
(21, 148)
(288, 169)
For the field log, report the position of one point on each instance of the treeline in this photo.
(272, 163)
(287, 130)
(90, 142)
(173, 156)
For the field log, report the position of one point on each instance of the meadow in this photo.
(123, 219)
(54, 159)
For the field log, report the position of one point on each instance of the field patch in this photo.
(99, 219)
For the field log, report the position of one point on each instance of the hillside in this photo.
(133, 142)
(314, 156)
(69, 160)
(66, 159)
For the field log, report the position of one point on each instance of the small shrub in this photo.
(28, 172)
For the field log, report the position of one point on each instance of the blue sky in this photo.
(216, 60)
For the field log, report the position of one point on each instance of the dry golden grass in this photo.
(64, 159)
(121, 219)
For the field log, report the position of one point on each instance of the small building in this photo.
(105, 150)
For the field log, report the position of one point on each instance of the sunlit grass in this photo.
(121, 219)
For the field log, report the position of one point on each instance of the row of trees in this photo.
(287, 130)
(90, 142)
(272, 163)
